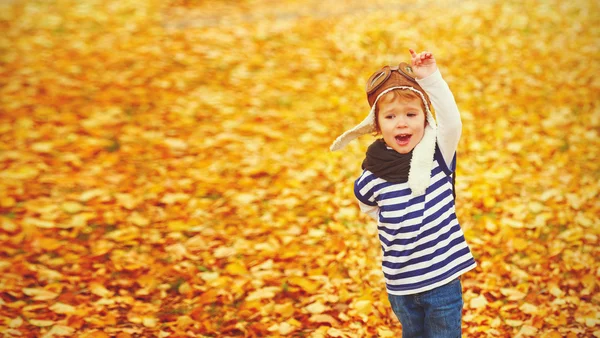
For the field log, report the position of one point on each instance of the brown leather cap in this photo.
(401, 76)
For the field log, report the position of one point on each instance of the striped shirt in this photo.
(422, 242)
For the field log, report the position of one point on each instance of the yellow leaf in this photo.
(571, 235)
(48, 244)
(7, 202)
(583, 220)
(512, 294)
(8, 225)
(224, 251)
(306, 284)
(99, 290)
(209, 276)
(315, 308)
(385, 333)
(285, 328)
(128, 201)
(138, 219)
(294, 322)
(124, 235)
(323, 318)
(59, 330)
(41, 323)
(40, 294)
(478, 302)
(512, 223)
(91, 194)
(175, 198)
(551, 334)
(101, 247)
(72, 207)
(176, 144)
(62, 308)
(489, 201)
(185, 289)
(589, 281)
(22, 173)
(513, 322)
(39, 223)
(149, 321)
(264, 293)
(555, 290)
(236, 269)
(529, 308)
(178, 225)
(42, 147)
(575, 201)
(16, 322)
(363, 307)
(490, 225)
(333, 332)
(536, 207)
(79, 220)
(527, 330)
(184, 322)
(282, 328)
(285, 309)
(245, 198)
(520, 244)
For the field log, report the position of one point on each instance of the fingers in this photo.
(419, 59)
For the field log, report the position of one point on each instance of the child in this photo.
(406, 185)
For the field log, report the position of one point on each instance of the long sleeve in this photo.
(448, 119)
(371, 210)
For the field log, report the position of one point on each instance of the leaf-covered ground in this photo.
(165, 168)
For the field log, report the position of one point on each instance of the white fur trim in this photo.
(421, 163)
(422, 159)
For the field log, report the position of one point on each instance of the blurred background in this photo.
(165, 171)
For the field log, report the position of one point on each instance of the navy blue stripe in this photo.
(359, 186)
(438, 198)
(430, 218)
(405, 241)
(407, 191)
(418, 199)
(435, 186)
(382, 185)
(402, 206)
(440, 251)
(366, 179)
(401, 230)
(436, 266)
(364, 198)
(418, 285)
(440, 211)
(404, 217)
(440, 158)
(426, 245)
(394, 194)
(435, 171)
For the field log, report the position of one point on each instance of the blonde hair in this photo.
(403, 95)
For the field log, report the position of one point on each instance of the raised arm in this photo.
(447, 115)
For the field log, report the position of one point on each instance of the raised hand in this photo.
(423, 64)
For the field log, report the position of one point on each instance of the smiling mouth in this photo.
(403, 139)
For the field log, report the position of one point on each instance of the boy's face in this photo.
(402, 123)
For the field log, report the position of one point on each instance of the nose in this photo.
(402, 122)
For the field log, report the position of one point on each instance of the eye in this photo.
(389, 117)
(412, 114)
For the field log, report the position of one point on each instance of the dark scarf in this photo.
(387, 163)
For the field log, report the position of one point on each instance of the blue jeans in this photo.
(434, 313)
